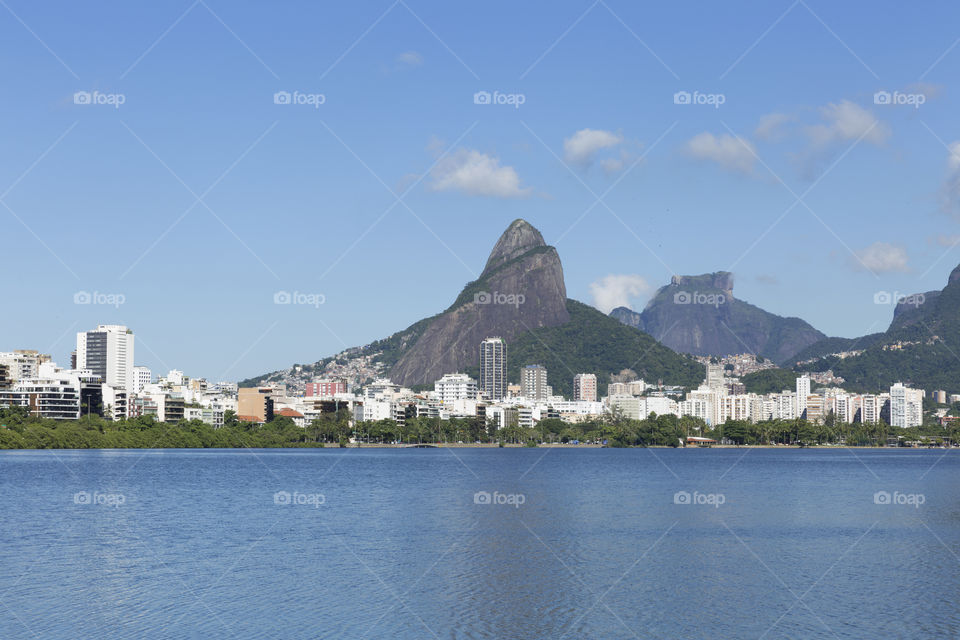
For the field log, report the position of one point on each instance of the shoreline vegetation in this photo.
(20, 430)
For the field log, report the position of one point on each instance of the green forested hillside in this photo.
(593, 342)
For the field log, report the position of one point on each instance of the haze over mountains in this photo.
(521, 296)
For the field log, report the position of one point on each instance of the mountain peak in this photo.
(721, 280)
(520, 289)
(699, 315)
(954, 275)
(520, 237)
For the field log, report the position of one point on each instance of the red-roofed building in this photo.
(254, 419)
(297, 417)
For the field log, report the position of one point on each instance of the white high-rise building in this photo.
(455, 386)
(696, 407)
(533, 383)
(845, 407)
(786, 405)
(107, 352)
(714, 376)
(23, 363)
(142, 376)
(906, 406)
(803, 390)
(630, 407)
(870, 408)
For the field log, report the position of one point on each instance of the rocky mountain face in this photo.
(521, 289)
(700, 315)
(911, 309)
(521, 297)
(628, 317)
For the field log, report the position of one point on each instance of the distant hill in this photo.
(700, 315)
(592, 342)
(920, 347)
(770, 381)
(835, 345)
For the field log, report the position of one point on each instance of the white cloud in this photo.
(947, 241)
(612, 165)
(410, 58)
(772, 126)
(882, 257)
(581, 148)
(477, 174)
(847, 121)
(616, 164)
(953, 160)
(616, 290)
(950, 191)
(735, 154)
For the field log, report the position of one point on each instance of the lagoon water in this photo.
(378, 543)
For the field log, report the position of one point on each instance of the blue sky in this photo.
(199, 198)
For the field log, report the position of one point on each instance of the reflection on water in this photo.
(485, 543)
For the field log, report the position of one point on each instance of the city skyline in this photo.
(214, 189)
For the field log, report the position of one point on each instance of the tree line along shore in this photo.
(20, 430)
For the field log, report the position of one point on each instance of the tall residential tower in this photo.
(107, 352)
(493, 368)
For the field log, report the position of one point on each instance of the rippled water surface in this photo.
(348, 543)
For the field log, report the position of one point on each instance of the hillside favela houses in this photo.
(103, 379)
